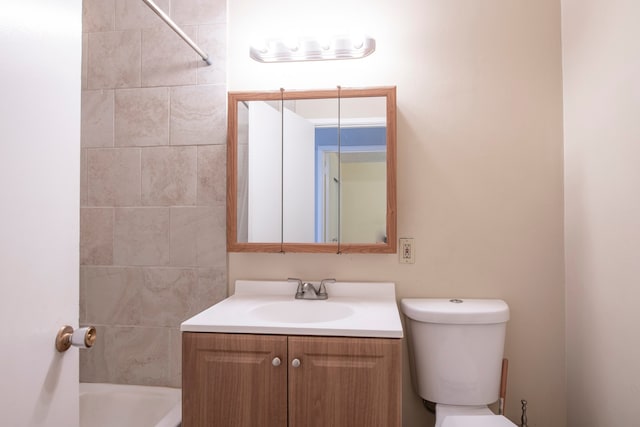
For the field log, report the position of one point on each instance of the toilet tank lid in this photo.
(458, 311)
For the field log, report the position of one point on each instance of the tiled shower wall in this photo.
(152, 225)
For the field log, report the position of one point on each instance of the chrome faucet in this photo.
(307, 290)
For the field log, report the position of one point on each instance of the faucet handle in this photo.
(296, 280)
(299, 291)
(322, 291)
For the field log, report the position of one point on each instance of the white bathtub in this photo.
(115, 405)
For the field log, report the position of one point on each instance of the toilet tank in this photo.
(456, 348)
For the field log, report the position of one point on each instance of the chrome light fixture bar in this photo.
(312, 49)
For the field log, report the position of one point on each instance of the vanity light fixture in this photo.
(312, 48)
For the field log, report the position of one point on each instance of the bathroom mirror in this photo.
(312, 171)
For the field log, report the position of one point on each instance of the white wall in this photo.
(601, 58)
(480, 163)
(265, 171)
(40, 47)
(298, 172)
(268, 206)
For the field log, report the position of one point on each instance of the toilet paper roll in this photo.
(84, 337)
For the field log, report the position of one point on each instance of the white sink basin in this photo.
(302, 311)
(356, 309)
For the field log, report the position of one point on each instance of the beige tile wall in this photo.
(152, 229)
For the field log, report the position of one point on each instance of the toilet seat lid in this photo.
(477, 421)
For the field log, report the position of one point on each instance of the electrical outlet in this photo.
(407, 251)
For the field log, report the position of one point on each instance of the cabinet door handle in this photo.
(295, 363)
(276, 361)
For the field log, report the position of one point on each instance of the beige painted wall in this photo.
(602, 186)
(364, 201)
(480, 162)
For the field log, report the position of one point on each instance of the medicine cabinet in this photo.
(312, 171)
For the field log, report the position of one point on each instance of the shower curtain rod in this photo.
(178, 30)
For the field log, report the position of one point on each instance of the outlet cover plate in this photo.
(407, 251)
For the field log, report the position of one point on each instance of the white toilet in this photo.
(455, 349)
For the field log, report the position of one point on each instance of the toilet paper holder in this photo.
(81, 337)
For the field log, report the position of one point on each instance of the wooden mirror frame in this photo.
(390, 246)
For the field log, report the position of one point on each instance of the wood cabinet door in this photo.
(229, 380)
(345, 382)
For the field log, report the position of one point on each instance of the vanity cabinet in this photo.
(243, 380)
(230, 380)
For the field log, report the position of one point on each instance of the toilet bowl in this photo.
(477, 421)
(469, 416)
(455, 353)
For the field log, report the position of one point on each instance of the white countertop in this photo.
(362, 309)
